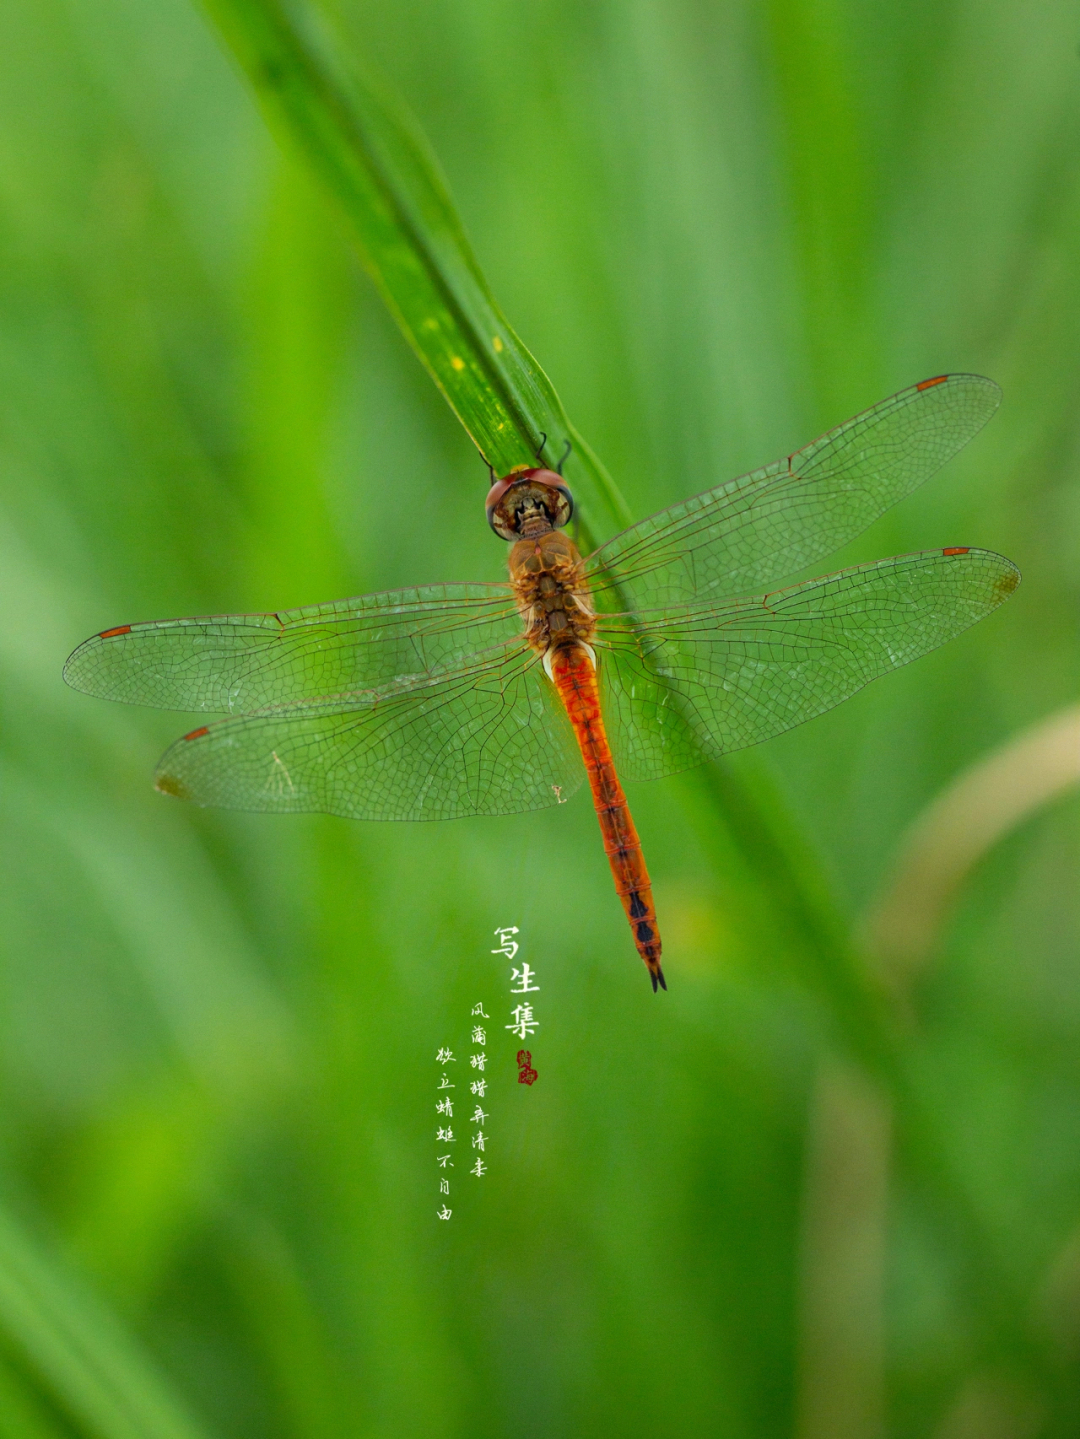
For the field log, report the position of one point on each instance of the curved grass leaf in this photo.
(957, 829)
(371, 156)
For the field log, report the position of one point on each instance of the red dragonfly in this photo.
(640, 660)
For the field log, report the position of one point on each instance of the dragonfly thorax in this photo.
(551, 591)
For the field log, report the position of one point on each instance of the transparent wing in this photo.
(709, 679)
(774, 522)
(240, 663)
(491, 738)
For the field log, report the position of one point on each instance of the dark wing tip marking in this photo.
(111, 634)
(929, 384)
(198, 733)
(169, 784)
(1007, 582)
(957, 550)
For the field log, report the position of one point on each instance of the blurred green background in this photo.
(721, 227)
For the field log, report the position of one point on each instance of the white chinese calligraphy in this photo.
(479, 1060)
(444, 1108)
(525, 1022)
(507, 946)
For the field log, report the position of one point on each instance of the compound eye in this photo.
(561, 502)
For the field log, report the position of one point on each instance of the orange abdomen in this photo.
(575, 679)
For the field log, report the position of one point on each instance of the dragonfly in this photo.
(665, 647)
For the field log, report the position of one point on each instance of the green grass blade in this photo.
(23, 1414)
(372, 158)
(80, 1354)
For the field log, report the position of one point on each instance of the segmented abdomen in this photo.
(575, 679)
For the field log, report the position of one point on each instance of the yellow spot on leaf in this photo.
(497, 343)
(457, 362)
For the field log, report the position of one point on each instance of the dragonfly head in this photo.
(527, 503)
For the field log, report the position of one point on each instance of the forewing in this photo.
(241, 663)
(491, 738)
(706, 680)
(776, 521)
